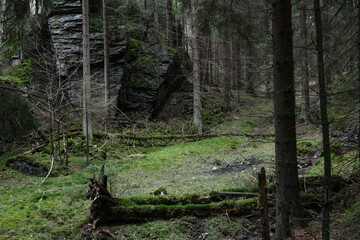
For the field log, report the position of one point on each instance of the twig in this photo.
(52, 164)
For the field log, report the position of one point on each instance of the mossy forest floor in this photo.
(57, 208)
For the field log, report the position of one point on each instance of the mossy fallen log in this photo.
(106, 209)
(187, 198)
(125, 213)
(117, 211)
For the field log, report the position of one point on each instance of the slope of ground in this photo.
(57, 208)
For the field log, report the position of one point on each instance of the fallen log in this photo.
(107, 209)
(240, 201)
(110, 210)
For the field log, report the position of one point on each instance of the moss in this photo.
(135, 44)
(306, 197)
(254, 189)
(223, 227)
(126, 212)
(305, 148)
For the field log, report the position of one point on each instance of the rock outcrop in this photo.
(142, 74)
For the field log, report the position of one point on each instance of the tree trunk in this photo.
(156, 22)
(198, 119)
(238, 66)
(37, 7)
(305, 99)
(327, 50)
(59, 143)
(226, 80)
(250, 75)
(359, 61)
(267, 33)
(169, 22)
(87, 126)
(324, 123)
(287, 184)
(264, 208)
(106, 59)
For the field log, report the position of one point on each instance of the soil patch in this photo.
(235, 167)
(197, 229)
(26, 166)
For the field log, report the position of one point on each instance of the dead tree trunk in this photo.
(264, 208)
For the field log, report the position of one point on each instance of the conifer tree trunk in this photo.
(324, 123)
(250, 70)
(305, 99)
(169, 22)
(287, 183)
(327, 50)
(226, 79)
(198, 119)
(87, 125)
(267, 33)
(106, 59)
(359, 63)
(156, 22)
(238, 64)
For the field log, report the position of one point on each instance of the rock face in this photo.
(142, 74)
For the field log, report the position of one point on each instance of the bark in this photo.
(287, 184)
(106, 59)
(87, 125)
(359, 61)
(250, 70)
(66, 145)
(267, 33)
(52, 117)
(59, 143)
(238, 66)
(37, 4)
(156, 22)
(207, 61)
(198, 119)
(264, 208)
(211, 62)
(226, 76)
(327, 50)
(324, 123)
(305, 99)
(169, 22)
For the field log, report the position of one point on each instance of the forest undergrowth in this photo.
(228, 158)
